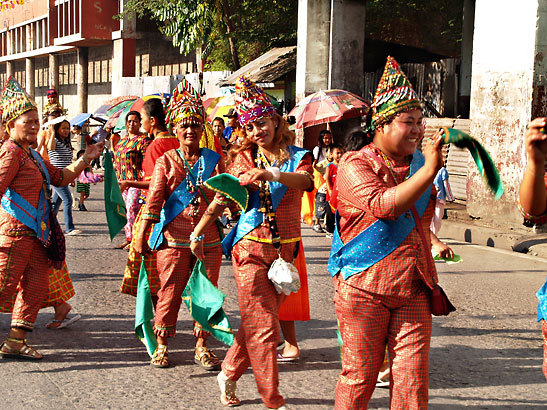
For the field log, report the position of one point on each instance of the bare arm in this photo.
(291, 179)
(532, 194)
(213, 211)
(134, 184)
(71, 172)
(442, 249)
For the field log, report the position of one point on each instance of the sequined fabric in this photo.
(365, 193)
(128, 156)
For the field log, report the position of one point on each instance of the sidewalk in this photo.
(460, 226)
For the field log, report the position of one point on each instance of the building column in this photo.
(10, 69)
(347, 45)
(82, 78)
(123, 62)
(29, 76)
(466, 57)
(508, 89)
(313, 43)
(54, 71)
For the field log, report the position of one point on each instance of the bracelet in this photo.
(275, 172)
(196, 238)
(85, 162)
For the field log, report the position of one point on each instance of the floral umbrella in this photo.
(328, 106)
(137, 105)
(111, 106)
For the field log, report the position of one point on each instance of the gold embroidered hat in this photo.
(393, 95)
(185, 104)
(252, 102)
(15, 101)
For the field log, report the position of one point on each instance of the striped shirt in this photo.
(61, 157)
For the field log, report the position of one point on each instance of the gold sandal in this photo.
(25, 352)
(206, 359)
(160, 357)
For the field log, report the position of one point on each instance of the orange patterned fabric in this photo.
(367, 323)
(365, 193)
(18, 172)
(174, 268)
(130, 280)
(129, 155)
(162, 143)
(24, 263)
(168, 174)
(60, 289)
(288, 211)
(258, 335)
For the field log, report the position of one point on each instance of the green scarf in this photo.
(204, 302)
(114, 205)
(144, 312)
(481, 157)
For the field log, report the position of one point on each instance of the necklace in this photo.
(196, 200)
(390, 165)
(266, 201)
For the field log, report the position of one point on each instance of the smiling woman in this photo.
(386, 288)
(24, 184)
(276, 173)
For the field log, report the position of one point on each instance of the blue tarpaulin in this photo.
(80, 119)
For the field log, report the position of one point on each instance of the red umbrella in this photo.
(328, 106)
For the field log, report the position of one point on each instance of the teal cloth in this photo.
(204, 301)
(114, 205)
(144, 313)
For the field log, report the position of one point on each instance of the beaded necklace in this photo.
(266, 201)
(196, 200)
(390, 166)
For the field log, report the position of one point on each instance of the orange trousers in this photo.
(257, 338)
(174, 268)
(23, 262)
(367, 323)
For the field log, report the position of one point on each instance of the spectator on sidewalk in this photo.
(444, 195)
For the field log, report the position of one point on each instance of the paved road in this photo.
(487, 355)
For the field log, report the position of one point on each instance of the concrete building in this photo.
(77, 47)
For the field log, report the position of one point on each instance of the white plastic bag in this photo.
(284, 276)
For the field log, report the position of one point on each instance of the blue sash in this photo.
(378, 240)
(253, 217)
(181, 198)
(36, 219)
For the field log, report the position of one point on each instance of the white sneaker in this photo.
(283, 408)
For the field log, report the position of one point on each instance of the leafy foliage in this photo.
(229, 32)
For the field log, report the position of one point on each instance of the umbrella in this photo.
(102, 110)
(115, 111)
(328, 106)
(137, 105)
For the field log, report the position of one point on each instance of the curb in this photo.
(480, 234)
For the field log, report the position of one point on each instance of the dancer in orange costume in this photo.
(24, 184)
(276, 173)
(380, 265)
(176, 192)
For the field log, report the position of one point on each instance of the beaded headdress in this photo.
(185, 104)
(393, 95)
(252, 102)
(15, 101)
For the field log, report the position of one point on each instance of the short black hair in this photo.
(218, 119)
(356, 140)
(135, 113)
(154, 108)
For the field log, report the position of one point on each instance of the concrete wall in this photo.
(347, 44)
(505, 59)
(312, 60)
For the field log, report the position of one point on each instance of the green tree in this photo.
(228, 32)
